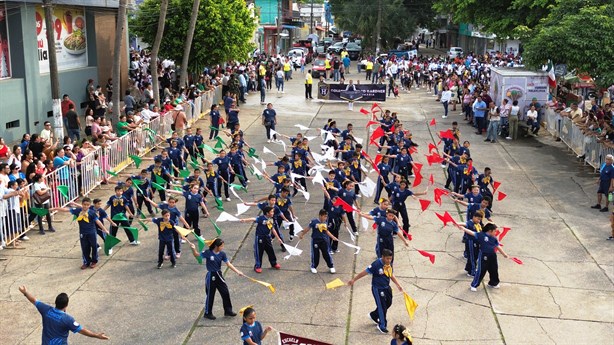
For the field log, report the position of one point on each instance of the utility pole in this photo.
(378, 27)
(279, 5)
(58, 124)
(188, 44)
(311, 17)
(117, 58)
(154, 53)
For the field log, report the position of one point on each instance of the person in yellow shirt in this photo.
(308, 84)
(344, 53)
(288, 69)
(327, 65)
(369, 69)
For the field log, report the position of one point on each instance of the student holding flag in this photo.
(165, 235)
(320, 241)
(214, 257)
(193, 199)
(381, 272)
(262, 241)
(171, 206)
(399, 195)
(119, 206)
(88, 221)
(387, 227)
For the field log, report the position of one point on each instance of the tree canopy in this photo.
(360, 17)
(224, 29)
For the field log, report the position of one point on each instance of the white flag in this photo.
(352, 236)
(226, 217)
(366, 189)
(329, 137)
(241, 208)
(297, 227)
(318, 178)
(305, 194)
(301, 127)
(358, 140)
(273, 132)
(292, 251)
(294, 176)
(256, 171)
(282, 143)
(310, 138)
(235, 194)
(365, 223)
(372, 185)
(266, 150)
(352, 246)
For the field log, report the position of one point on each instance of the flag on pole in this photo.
(143, 225)
(137, 160)
(517, 260)
(110, 242)
(428, 255)
(183, 231)
(134, 231)
(501, 196)
(241, 208)
(364, 111)
(334, 284)
(432, 147)
(551, 75)
(432, 123)
(120, 217)
(496, 184)
(226, 217)
(40, 211)
(217, 228)
(417, 179)
(268, 285)
(292, 251)
(446, 134)
(112, 173)
(424, 204)
(446, 218)
(352, 246)
(63, 190)
(503, 233)
(438, 192)
(410, 305)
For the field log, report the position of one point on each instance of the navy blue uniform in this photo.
(118, 205)
(161, 172)
(382, 293)
(165, 237)
(56, 324)
(87, 234)
(175, 214)
(471, 247)
(487, 259)
(384, 171)
(253, 332)
(320, 243)
(223, 169)
(214, 280)
(215, 122)
(349, 196)
(335, 218)
(143, 191)
(262, 242)
(398, 203)
(192, 202)
(213, 183)
(386, 230)
(329, 185)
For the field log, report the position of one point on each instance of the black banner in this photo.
(355, 92)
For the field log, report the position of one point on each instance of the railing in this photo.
(583, 145)
(81, 179)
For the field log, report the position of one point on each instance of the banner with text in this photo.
(70, 40)
(5, 61)
(289, 339)
(355, 92)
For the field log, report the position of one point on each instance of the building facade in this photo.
(84, 32)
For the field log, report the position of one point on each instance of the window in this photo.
(12, 124)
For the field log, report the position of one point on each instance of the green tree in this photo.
(224, 30)
(360, 17)
(579, 33)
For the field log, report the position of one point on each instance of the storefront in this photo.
(84, 32)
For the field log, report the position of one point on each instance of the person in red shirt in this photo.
(66, 101)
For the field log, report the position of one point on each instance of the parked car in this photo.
(455, 52)
(353, 50)
(336, 48)
(300, 51)
(318, 68)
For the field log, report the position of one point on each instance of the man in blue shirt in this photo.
(479, 114)
(606, 184)
(56, 322)
(381, 272)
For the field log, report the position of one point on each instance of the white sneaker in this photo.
(443, 165)
(332, 270)
(110, 251)
(356, 233)
(314, 271)
(473, 289)
(494, 286)
(444, 117)
(134, 243)
(25, 238)
(508, 138)
(412, 175)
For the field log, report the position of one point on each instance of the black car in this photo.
(353, 50)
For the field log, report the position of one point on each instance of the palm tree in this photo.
(188, 44)
(117, 58)
(154, 52)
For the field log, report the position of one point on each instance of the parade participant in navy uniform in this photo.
(387, 227)
(166, 228)
(262, 240)
(214, 257)
(119, 204)
(381, 275)
(399, 196)
(320, 242)
(251, 330)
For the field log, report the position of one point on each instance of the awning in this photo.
(319, 28)
(283, 26)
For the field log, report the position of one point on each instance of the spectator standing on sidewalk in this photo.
(513, 121)
(606, 183)
(446, 95)
(308, 85)
(479, 111)
(66, 102)
(73, 124)
(494, 116)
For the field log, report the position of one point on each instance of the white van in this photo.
(454, 52)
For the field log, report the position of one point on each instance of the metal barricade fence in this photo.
(81, 179)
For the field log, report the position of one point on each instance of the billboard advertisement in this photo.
(70, 39)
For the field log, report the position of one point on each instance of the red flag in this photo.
(503, 233)
(438, 192)
(446, 218)
(424, 204)
(432, 123)
(517, 260)
(364, 111)
(497, 232)
(418, 167)
(431, 180)
(469, 167)
(501, 196)
(408, 235)
(371, 122)
(496, 184)
(377, 133)
(374, 226)
(428, 255)
(446, 134)
(418, 179)
(375, 105)
(413, 150)
(378, 159)
(432, 147)
(434, 158)
(346, 207)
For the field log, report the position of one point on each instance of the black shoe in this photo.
(209, 316)
(558, 139)
(376, 321)
(382, 330)
(610, 238)
(596, 206)
(605, 209)
(230, 313)
(159, 266)
(51, 230)
(283, 248)
(41, 232)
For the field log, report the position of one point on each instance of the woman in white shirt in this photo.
(446, 95)
(513, 121)
(41, 189)
(532, 120)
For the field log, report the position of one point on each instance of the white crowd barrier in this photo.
(80, 179)
(576, 140)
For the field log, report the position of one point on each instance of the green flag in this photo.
(185, 173)
(134, 231)
(211, 149)
(214, 128)
(241, 177)
(142, 215)
(160, 179)
(217, 228)
(137, 160)
(194, 165)
(201, 146)
(40, 211)
(143, 225)
(238, 187)
(201, 247)
(150, 130)
(219, 202)
(251, 170)
(110, 242)
(252, 152)
(157, 186)
(137, 181)
(120, 217)
(112, 173)
(219, 144)
(63, 190)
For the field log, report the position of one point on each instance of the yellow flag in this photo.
(410, 305)
(268, 285)
(335, 284)
(183, 231)
(242, 310)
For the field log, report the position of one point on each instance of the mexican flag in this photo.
(551, 76)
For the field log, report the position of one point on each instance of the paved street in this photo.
(562, 294)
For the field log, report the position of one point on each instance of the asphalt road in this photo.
(562, 294)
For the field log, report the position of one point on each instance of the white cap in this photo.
(178, 107)
(105, 128)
